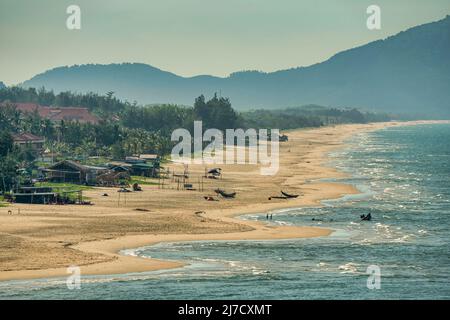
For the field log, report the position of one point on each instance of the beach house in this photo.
(29, 141)
(69, 171)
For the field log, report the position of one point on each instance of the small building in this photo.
(29, 141)
(68, 171)
(143, 169)
(144, 165)
(46, 195)
(118, 174)
(35, 195)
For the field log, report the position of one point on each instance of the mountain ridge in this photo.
(406, 72)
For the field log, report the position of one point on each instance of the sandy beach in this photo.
(39, 241)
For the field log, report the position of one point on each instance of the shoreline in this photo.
(314, 192)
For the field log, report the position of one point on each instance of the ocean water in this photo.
(404, 177)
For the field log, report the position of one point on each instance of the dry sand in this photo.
(42, 241)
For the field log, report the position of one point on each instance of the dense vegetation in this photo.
(101, 104)
(8, 161)
(126, 129)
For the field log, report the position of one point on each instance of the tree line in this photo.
(126, 129)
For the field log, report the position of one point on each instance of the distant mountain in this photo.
(2, 85)
(408, 72)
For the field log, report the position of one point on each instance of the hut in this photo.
(35, 195)
(27, 140)
(145, 165)
(143, 169)
(68, 171)
(47, 195)
(113, 178)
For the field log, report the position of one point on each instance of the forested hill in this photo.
(406, 73)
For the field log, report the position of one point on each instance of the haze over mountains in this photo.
(405, 73)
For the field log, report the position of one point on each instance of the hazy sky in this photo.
(192, 37)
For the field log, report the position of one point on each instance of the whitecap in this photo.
(405, 238)
(348, 268)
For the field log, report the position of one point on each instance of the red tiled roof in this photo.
(26, 107)
(26, 137)
(68, 114)
(82, 115)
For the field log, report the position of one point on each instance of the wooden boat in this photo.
(278, 197)
(287, 195)
(367, 217)
(225, 194)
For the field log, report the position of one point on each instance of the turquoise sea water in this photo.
(404, 176)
